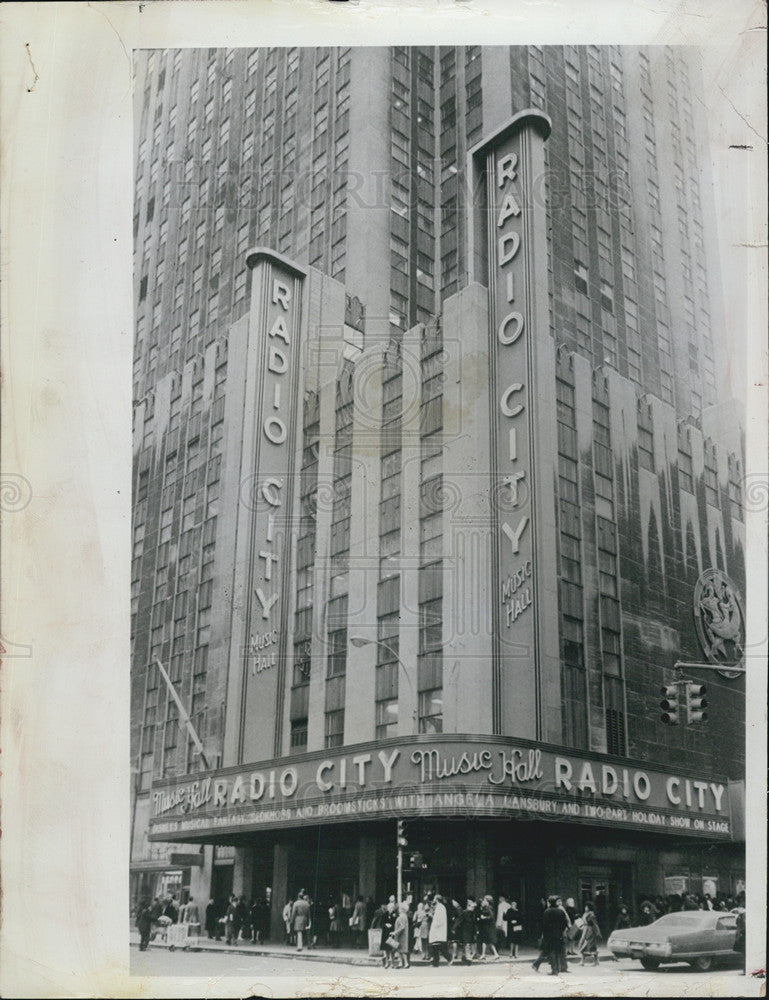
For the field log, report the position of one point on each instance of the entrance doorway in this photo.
(606, 888)
(221, 886)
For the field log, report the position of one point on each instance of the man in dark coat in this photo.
(466, 930)
(144, 924)
(232, 921)
(212, 918)
(554, 923)
(171, 911)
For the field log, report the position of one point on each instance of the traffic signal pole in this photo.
(399, 891)
(679, 665)
(684, 700)
(401, 842)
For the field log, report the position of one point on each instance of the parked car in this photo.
(694, 936)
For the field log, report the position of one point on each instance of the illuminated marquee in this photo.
(446, 775)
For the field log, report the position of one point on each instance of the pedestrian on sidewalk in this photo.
(514, 928)
(389, 916)
(189, 913)
(312, 933)
(563, 964)
(171, 910)
(554, 923)
(454, 915)
(212, 918)
(345, 916)
(574, 929)
(418, 918)
(241, 919)
(401, 934)
(590, 938)
(467, 927)
(287, 920)
(231, 924)
(254, 915)
(486, 929)
(438, 933)
(334, 922)
(144, 924)
(300, 918)
(501, 928)
(424, 928)
(623, 919)
(358, 923)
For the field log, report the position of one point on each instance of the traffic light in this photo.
(669, 704)
(696, 702)
(402, 842)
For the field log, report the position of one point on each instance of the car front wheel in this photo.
(703, 963)
(650, 964)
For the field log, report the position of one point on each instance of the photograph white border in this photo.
(66, 307)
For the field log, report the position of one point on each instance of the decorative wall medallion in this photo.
(720, 620)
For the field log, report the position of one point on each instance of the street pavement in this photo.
(276, 971)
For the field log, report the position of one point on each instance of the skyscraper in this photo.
(429, 494)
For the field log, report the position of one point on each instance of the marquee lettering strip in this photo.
(500, 776)
(470, 802)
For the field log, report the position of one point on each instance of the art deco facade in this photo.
(441, 467)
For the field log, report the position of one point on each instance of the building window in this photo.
(298, 735)
(580, 277)
(337, 652)
(573, 679)
(387, 674)
(386, 718)
(334, 732)
(645, 443)
(431, 711)
(615, 716)
(735, 490)
(711, 477)
(685, 472)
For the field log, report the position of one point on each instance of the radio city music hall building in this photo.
(436, 476)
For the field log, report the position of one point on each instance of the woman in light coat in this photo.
(591, 936)
(438, 935)
(358, 922)
(424, 930)
(401, 932)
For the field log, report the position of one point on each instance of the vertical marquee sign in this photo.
(512, 162)
(271, 406)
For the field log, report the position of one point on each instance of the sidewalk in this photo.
(344, 956)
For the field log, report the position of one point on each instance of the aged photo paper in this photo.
(384, 498)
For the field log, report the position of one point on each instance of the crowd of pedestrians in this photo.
(651, 908)
(438, 927)
(152, 916)
(241, 920)
(429, 929)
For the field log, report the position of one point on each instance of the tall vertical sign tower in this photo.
(264, 521)
(525, 686)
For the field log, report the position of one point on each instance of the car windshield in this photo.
(679, 920)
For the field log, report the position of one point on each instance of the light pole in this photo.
(359, 640)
